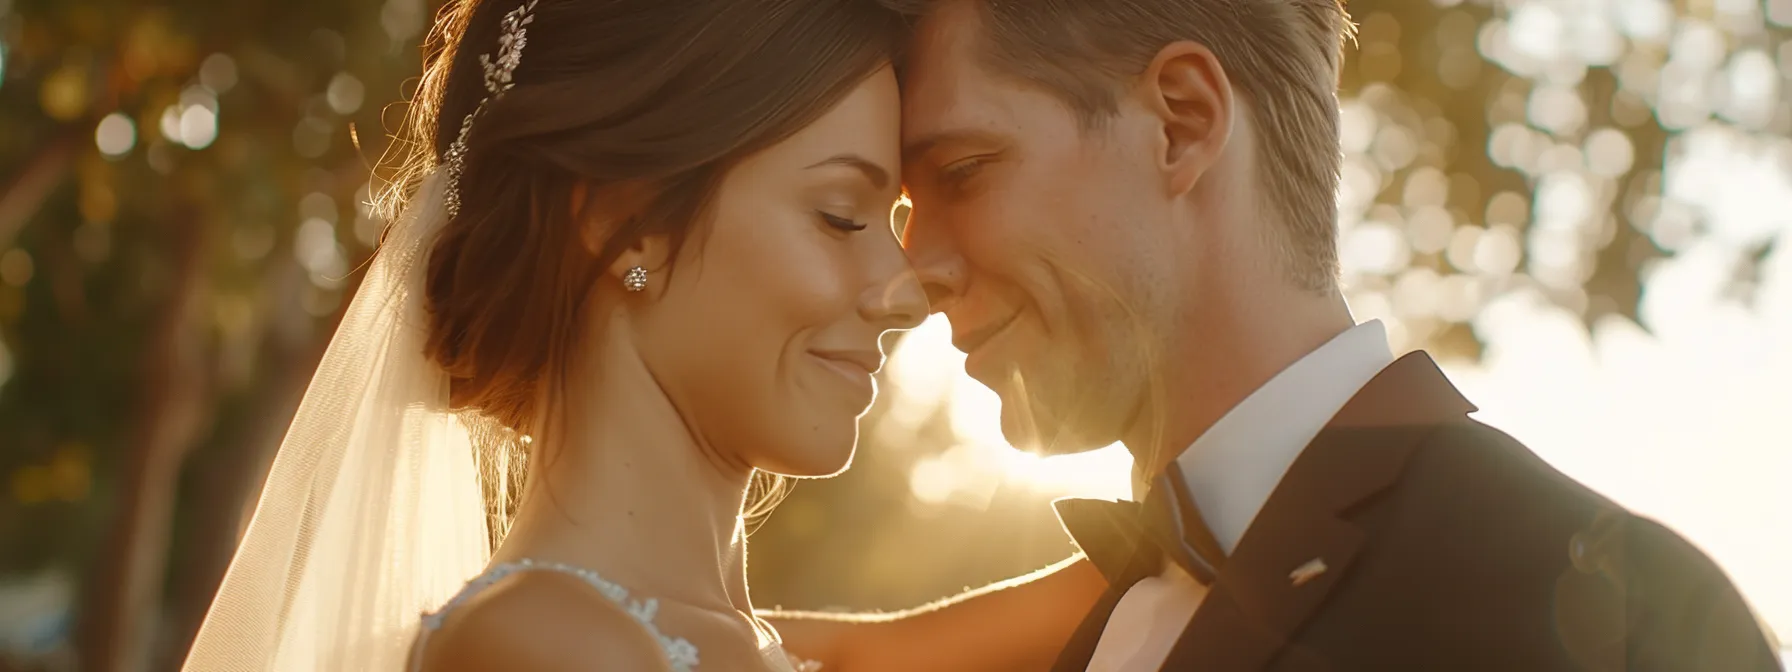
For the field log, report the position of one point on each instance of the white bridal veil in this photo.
(373, 511)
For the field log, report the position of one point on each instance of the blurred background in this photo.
(1583, 207)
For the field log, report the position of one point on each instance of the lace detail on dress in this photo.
(680, 653)
(802, 665)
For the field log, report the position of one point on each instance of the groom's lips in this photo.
(969, 341)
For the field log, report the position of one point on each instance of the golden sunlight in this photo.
(928, 377)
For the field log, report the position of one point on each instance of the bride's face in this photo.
(767, 333)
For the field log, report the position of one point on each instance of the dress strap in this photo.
(680, 653)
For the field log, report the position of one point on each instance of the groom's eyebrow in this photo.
(878, 175)
(915, 150)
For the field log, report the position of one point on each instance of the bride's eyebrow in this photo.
(876, 174)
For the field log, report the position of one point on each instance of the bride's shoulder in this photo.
(538, 621)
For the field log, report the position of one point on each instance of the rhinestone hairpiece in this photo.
(512, 36)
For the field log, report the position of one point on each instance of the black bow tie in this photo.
(1167, 525)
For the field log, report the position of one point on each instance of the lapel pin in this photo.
(1307, 572)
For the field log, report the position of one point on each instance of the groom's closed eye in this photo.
(950, 151)
(957, 172)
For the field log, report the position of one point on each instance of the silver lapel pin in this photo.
(1307, 572)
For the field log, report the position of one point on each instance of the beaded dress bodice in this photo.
(680, 654)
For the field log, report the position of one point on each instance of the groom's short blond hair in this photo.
(1283, 56)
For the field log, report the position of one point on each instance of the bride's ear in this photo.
(605, 212)
(651, 254)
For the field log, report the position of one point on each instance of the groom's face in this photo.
(1041, 240)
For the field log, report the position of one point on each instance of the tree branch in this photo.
(26, 192)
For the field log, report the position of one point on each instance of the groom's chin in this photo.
(1040, 434)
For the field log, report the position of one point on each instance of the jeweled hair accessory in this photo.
(512, 36)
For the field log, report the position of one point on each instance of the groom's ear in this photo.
(1188, 91)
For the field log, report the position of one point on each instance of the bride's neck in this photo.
(619, 483)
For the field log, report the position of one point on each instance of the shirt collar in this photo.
(1233, 467)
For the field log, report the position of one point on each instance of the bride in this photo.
(642, 260)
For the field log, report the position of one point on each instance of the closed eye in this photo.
(962, 169)
(841, 223)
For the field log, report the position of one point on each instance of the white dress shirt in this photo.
(1231, 471)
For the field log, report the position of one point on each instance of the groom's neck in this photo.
(1211, 369)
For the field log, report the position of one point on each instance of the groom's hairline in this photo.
(1301, 155)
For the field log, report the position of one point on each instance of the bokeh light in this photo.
(345, 93)
(218, 73)
(115, 135)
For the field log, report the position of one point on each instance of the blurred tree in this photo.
(180, 222)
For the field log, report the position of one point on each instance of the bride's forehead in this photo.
(865, 123)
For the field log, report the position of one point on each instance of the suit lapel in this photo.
(1301, 545)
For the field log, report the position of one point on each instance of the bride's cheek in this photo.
(798, 276)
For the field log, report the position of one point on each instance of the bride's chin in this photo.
(812, 459)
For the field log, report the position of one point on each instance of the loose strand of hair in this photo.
(410, 155)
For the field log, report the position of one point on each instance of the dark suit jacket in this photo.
(1447, 546)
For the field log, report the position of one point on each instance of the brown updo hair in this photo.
(651, 98)
(658, 98)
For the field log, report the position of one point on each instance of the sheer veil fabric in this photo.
(372, 512)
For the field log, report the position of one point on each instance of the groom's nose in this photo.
(935, 257)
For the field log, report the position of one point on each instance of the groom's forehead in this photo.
(948, 109)
(948, 39)
(945, 73)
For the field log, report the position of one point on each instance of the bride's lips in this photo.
(855, 366)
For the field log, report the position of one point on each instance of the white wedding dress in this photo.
(680, 654)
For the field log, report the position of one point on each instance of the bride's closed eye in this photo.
(842, 223)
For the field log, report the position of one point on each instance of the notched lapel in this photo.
(1255, 607)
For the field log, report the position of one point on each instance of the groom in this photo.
(1126, 210)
